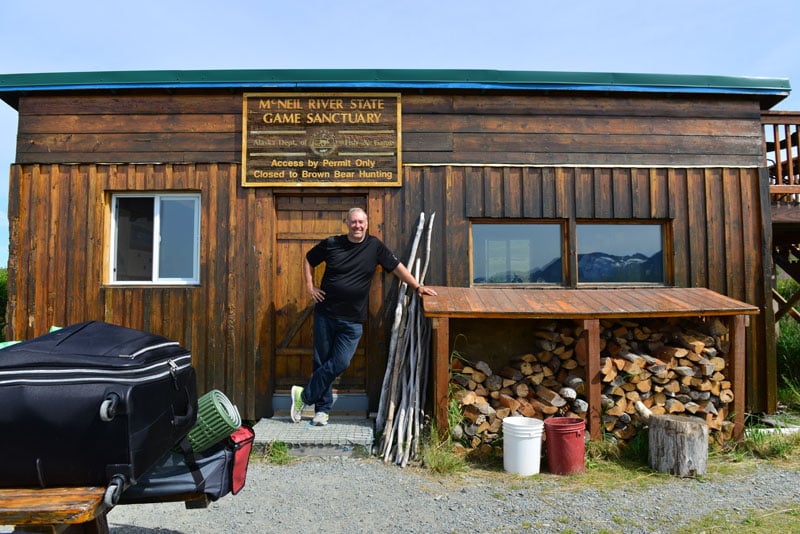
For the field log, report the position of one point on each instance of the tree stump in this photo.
(678, 445)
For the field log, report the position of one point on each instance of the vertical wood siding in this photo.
(59, 217)
(715, 237)
(687, 160)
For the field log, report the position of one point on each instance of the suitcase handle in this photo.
(189, 417)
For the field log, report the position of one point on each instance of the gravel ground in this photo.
(351, 495)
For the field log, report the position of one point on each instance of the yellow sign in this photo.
(299, 140)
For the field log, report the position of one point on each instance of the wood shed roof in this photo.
(518, 303)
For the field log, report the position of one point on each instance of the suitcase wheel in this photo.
(113, 491)
(108, 408)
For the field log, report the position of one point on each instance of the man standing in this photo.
(341, 306)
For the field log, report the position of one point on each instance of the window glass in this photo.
(156, 239)
(620, 253)
(176, 252)
(134, 219)
(516, 254)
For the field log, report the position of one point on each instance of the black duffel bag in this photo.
(217, 471)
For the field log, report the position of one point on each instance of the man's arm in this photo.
(402, 273)
(315, 292)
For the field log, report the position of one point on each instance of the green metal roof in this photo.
(768, 90)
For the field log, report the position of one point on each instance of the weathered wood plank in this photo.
(129, 123)
(150, 143)
(493, 191)
(32, 506)
(601, 144)
(527, 122)
(678, 212)
(512, 191)
(642, 105)
(640, 194)
(154, 103)
(717, 219)
(584, 193)
(697, 222)
(554, 158)
(532, 192)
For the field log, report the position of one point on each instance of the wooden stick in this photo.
(412, 382)
(396, 375)
(379, 421)
(424, 347)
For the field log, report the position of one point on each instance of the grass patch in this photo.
(277, 452)
(781, 518)
(441, 455)
(765, 443)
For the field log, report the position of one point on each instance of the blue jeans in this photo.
(335, 342)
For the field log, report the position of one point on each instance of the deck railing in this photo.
(782, 154)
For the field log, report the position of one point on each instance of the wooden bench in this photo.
(71, 510)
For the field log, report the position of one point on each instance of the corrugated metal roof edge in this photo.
(774, 89)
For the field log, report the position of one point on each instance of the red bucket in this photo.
(565, 445)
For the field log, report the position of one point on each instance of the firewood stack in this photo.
(664, 367)
(658, 366)
(548, 381)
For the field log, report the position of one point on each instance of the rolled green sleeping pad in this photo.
(217, 418)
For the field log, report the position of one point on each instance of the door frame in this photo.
(374, 335)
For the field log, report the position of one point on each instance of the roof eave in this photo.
(768, 91)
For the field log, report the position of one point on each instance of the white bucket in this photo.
(522, 445)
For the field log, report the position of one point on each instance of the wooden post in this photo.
(737, 375)
(441, 371)
(678, 445)
(590, 343)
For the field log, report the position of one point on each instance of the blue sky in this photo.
(720, 37)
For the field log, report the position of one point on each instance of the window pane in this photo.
(134, 239)
(177, 248)
(516, 253)
(620, 253)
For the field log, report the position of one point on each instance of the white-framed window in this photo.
(155, 238)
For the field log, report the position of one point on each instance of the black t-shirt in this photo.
(349, 268)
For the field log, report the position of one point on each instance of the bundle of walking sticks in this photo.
(401, 410)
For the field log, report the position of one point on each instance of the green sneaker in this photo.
(296, 409)
(320, 419)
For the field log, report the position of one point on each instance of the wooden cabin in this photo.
(238, 173)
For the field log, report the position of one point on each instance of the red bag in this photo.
(241, 442)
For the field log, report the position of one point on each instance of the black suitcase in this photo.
(92, 404)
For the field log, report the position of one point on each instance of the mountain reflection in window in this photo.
(620, 253)
(531, 253)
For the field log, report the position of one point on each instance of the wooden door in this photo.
(301, 222)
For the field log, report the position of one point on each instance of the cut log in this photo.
(550, 397)
(678, 445)
(493, 382)
(484, 368)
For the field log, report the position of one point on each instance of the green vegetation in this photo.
(277, 452)
(781, 518)
(788, 351)
(441, 455)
